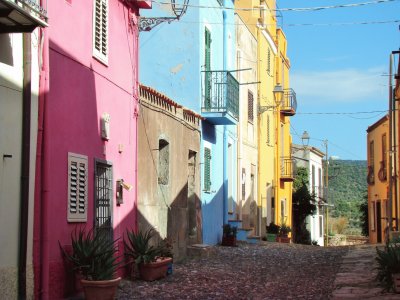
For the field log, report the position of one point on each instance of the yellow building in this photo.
(274, 188)
(378, 179)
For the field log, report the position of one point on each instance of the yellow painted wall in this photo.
(377, 185)
(283, 197)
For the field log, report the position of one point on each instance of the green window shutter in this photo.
(207, 64)
(207, 169)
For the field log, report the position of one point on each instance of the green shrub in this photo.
(388, 264)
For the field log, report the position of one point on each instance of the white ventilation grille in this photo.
(77, 187)
(100, 30)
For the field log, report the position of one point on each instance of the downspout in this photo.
(44, 188)
(225, 141)
(25, 155)
(136, 96)
(390, 219)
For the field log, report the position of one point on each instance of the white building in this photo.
(311, 158)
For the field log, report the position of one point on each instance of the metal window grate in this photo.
(103, 199)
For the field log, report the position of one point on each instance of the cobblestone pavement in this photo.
(356, 276)
(265, 271)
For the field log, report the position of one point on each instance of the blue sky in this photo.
(339, 68)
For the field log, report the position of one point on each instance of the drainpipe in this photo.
(25, 155)
(390, 196)
(225, 140)
(44, 166)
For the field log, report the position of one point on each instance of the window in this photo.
(207, 68)
(243, 184)
(103, 198)
(384, 151)
(320, 182)
(100, 30)
(372, 216)
(371, 172)
(163, 162)
(371, 153)
(283, 211)
(313, 179)
(269, 62)
(250, 106)
(77, 187)
(321, 226)
(207, 169)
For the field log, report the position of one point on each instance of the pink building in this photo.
(87, 141)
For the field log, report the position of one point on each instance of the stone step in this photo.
(242, 234)
(200, 250)
(254, 239)
(236, 223)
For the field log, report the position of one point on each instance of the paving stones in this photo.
(356, 276)
(264, 271)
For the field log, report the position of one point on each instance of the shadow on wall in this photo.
(212, 213)
(6, 54)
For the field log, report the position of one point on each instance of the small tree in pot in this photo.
(229, 235)
(284, 233)
(93, 258)
(151, 260)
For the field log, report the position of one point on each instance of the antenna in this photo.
(179, 8)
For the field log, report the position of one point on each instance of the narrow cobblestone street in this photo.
(265, 271)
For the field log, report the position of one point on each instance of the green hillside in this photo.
(348, 189)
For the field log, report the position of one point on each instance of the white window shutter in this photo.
(77, 187)
(100, 30)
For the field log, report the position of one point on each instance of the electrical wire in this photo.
(298, 9)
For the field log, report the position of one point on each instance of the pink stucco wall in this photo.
(80, 90)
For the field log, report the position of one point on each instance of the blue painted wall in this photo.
(171, 59)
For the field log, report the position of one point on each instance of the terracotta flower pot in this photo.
(284, 239)
(100, 290)
(396, 282)
(154, 270)
(229, 241)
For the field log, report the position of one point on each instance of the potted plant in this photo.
(272, 232)
(152, 260)
(284, 234)
(93, 259)
(389, 266)
(229, 235)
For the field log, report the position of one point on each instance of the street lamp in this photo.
(278, 94)
(305, 139)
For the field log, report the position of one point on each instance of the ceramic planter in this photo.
(396, 282)
(283, 239)
(271, 237)
(100, 290)
(154, 270)
(229, 241)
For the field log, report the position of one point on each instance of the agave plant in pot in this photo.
(93, 259)
(151, 258)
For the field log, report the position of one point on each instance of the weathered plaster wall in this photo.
(173, 208)
(247, 128)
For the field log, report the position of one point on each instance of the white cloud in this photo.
(347, 85)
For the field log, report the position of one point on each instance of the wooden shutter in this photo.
(100, 30)
(269, 62)
(250, 107)
(77, 188)
(268, 130)
(207, 169)
(207, 65)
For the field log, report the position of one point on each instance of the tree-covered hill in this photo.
(348, 189)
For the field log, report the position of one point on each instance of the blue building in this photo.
(192, 60)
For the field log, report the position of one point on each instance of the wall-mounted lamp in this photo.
(278, 94)
(121, 185)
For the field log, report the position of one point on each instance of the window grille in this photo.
(77, 187)
(269, 62)
(103, 198)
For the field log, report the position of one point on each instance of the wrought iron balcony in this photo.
(21, 16)
(286, 169)
(289, 103)
(220, 93)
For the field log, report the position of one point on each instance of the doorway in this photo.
(378, 222)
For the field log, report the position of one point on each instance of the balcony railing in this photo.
(21, 16)
(289, 103)
(286, 169)
(220, 93)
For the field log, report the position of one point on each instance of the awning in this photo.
(21, 16)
